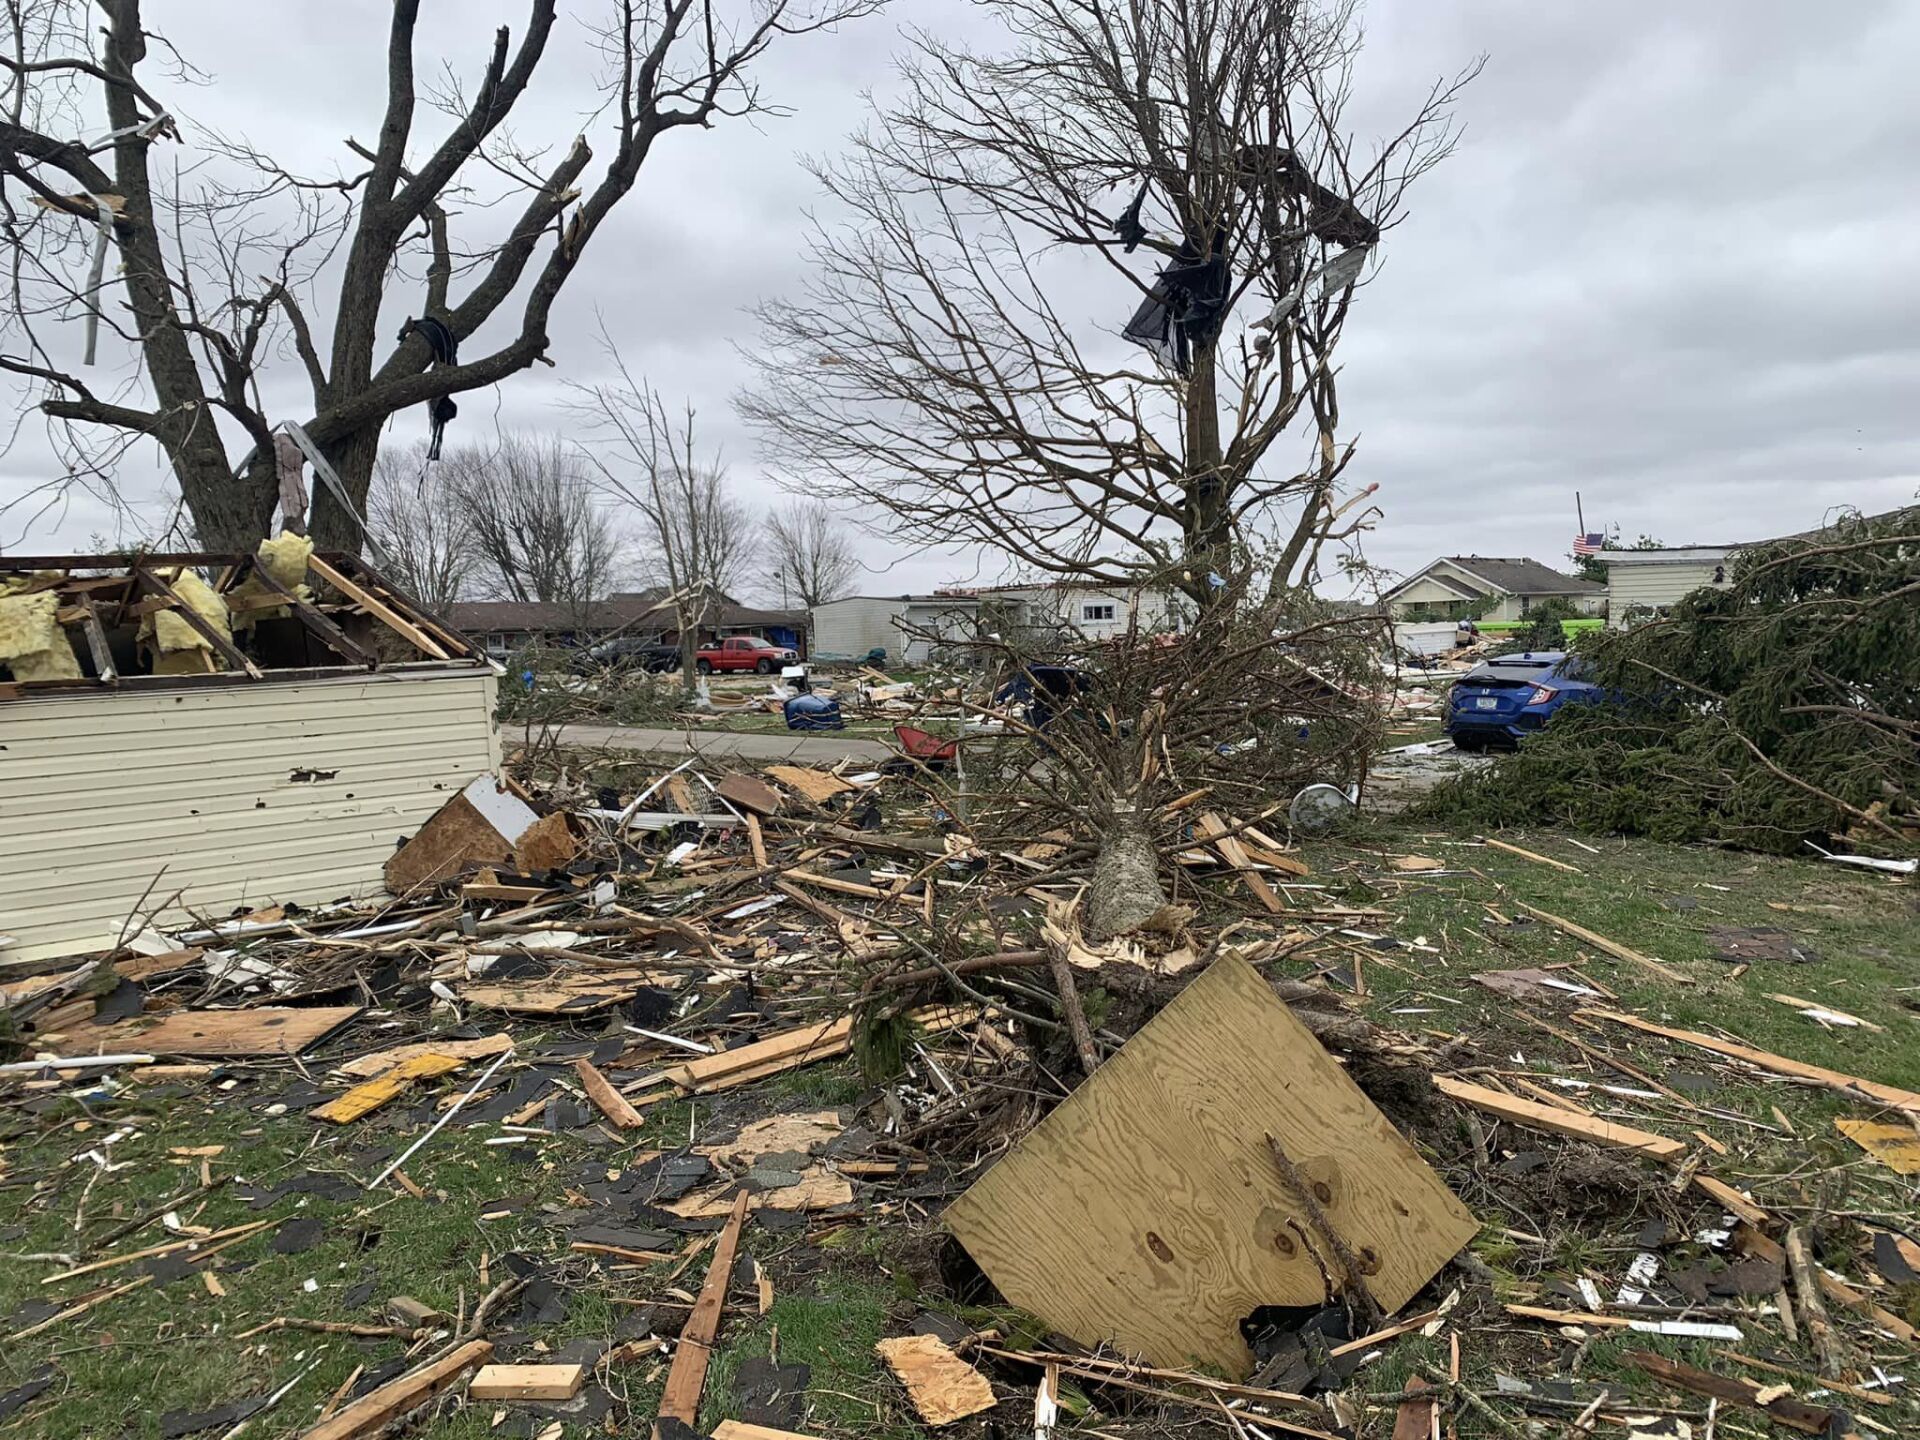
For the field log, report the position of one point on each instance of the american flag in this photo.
(1589, 544)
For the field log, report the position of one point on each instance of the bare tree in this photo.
(808, 542)
(418, 521)
(697, 539)
(930, 372)
(539, 532)
(249, 261)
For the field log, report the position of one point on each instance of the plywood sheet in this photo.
(266, 1030)
(1147, 1210)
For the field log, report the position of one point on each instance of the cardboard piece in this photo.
(1147, 1210)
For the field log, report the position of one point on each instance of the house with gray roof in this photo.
(1488, 588)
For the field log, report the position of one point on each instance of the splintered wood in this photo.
(1561, 1122)
(943, 1387)
(1146, 1210)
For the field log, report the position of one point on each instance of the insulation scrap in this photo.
(175, 641)
(32, 643)
(284, 558)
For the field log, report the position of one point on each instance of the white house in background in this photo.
(911, 627)
(1647, 581)
(1489, 588)
(848, 628)
(1097, 612)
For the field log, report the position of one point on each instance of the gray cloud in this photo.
(1670, 265)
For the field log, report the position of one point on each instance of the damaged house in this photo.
(186, 735)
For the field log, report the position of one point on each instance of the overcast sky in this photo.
(1671, 266)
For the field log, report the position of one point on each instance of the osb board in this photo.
(1147, 1210)
(456, 839)
(267, 1030)
(943, 1387)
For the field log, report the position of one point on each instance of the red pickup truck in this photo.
(743, 652)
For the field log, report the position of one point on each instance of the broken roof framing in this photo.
(344, 636)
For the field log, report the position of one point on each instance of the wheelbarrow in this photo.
(928, 749)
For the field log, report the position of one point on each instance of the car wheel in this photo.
(1472, 744)
(763, 667)
(705, 667)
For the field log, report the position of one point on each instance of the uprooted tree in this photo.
(1780, 708)
(1140, 738)
(221, 272)
(935, 375)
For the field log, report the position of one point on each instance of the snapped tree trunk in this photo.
(1208, 527)
(1125, 889)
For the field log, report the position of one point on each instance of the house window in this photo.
(1096, 612)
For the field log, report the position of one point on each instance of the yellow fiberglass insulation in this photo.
(284, 558)
(32, 643)
(169, 635)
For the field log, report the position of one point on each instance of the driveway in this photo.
(823, 748)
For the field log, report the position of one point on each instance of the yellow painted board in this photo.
(365, 1098)
(1895, 1146)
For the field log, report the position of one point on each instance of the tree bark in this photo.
(1125, 888)
(1208, 525)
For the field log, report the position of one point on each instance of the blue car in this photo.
(1503, 700)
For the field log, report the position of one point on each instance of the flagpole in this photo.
(1580, 513)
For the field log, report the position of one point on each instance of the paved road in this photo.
(818, 749)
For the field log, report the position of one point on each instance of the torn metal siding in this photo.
(246, 795)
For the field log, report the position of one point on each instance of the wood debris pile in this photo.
(1217, 1188)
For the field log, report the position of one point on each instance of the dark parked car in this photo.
(1503, 700)
(627, 653)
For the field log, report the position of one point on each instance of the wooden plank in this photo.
(1731, 1198)
(266, 1030)
(375, 1410)
(741, 1430)
(1530, 855)
(330, 634)
(837, 885)
(195, 621)
(1146, 1209)
(680, 1400)
(788, 1049)
(756, 840)
(607, 1100)
(527, 1382)
(943, 1387)
(1777, 1064)
(1611, 947)
(1561, 1122)
(1798, 1414)
(375, 607)
(1414, 1418)
(791, 1049)
(1215, 830)
(370, 1095)
(365, 1067)
(97, 642)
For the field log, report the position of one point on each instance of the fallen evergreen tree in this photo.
(1782, 708)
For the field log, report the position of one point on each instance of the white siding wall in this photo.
(102, 792)
(844, 629)
(1070, 606)
(1651, 585)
